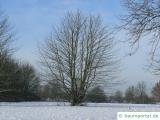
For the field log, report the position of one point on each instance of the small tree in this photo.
(78, 55)
(118, 97)
(6, 35)
(96, 95)
(130, 94)
(141, 95)
(156, 92)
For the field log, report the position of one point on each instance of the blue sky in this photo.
(33, 21)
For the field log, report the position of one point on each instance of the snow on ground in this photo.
(62, 111)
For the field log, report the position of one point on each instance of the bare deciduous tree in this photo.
(118, 97)
(140, 91)
(130, 94)
(79, 54)
(143, 19)
(141, 88)
(6, 35)
(156, 92)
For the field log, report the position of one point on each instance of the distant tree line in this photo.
(52, 92)
(133, 94)
(137, 94)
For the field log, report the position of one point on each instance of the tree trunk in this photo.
(77, 100)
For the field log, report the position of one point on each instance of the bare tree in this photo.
(130, 94)
(79, 54)
(141, 88)
(118, 97)
(140, 91)
(156, 92)
(6, 35)
(143, 19)
(138, 94)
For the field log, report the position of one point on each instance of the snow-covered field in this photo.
(62, 111)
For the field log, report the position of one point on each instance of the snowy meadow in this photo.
(62, 111)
